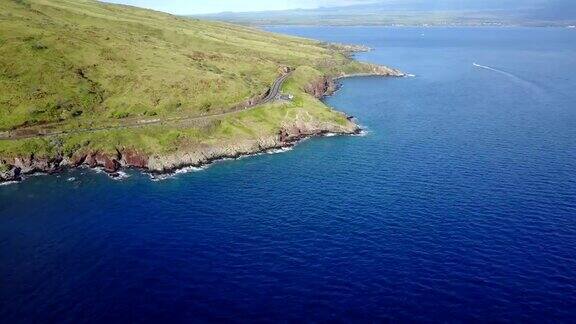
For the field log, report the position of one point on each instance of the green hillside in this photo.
(82, 64)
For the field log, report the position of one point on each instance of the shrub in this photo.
(4, 167)
(22, 2)
(38, 45)
(119, 114)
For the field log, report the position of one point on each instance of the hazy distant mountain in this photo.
(420, 12)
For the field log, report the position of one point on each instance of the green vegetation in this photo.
(75, 64)
(4, 167)
(258, 122)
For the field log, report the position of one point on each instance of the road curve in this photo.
(271, 95)
(275, 89)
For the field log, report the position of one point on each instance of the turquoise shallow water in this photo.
(459, 204)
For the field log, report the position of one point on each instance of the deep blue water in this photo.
(459, 205)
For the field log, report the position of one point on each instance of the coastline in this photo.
(168, 164)
(281, 147)
(288, 136)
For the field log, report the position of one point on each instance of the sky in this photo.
(189, 7)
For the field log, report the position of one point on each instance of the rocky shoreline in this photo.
(18, 168)
(159, 165)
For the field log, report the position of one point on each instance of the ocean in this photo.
(458, 204)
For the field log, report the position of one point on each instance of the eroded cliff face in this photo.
(13, 169)
(322, 87)
(10, 174)
(110, 162)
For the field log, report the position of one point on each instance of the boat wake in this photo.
(512, 76)
(496, 70)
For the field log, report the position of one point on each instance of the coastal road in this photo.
(275, 89)
(271, 95)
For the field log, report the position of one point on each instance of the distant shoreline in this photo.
(411, 26)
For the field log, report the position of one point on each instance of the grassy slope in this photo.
(81, 63)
